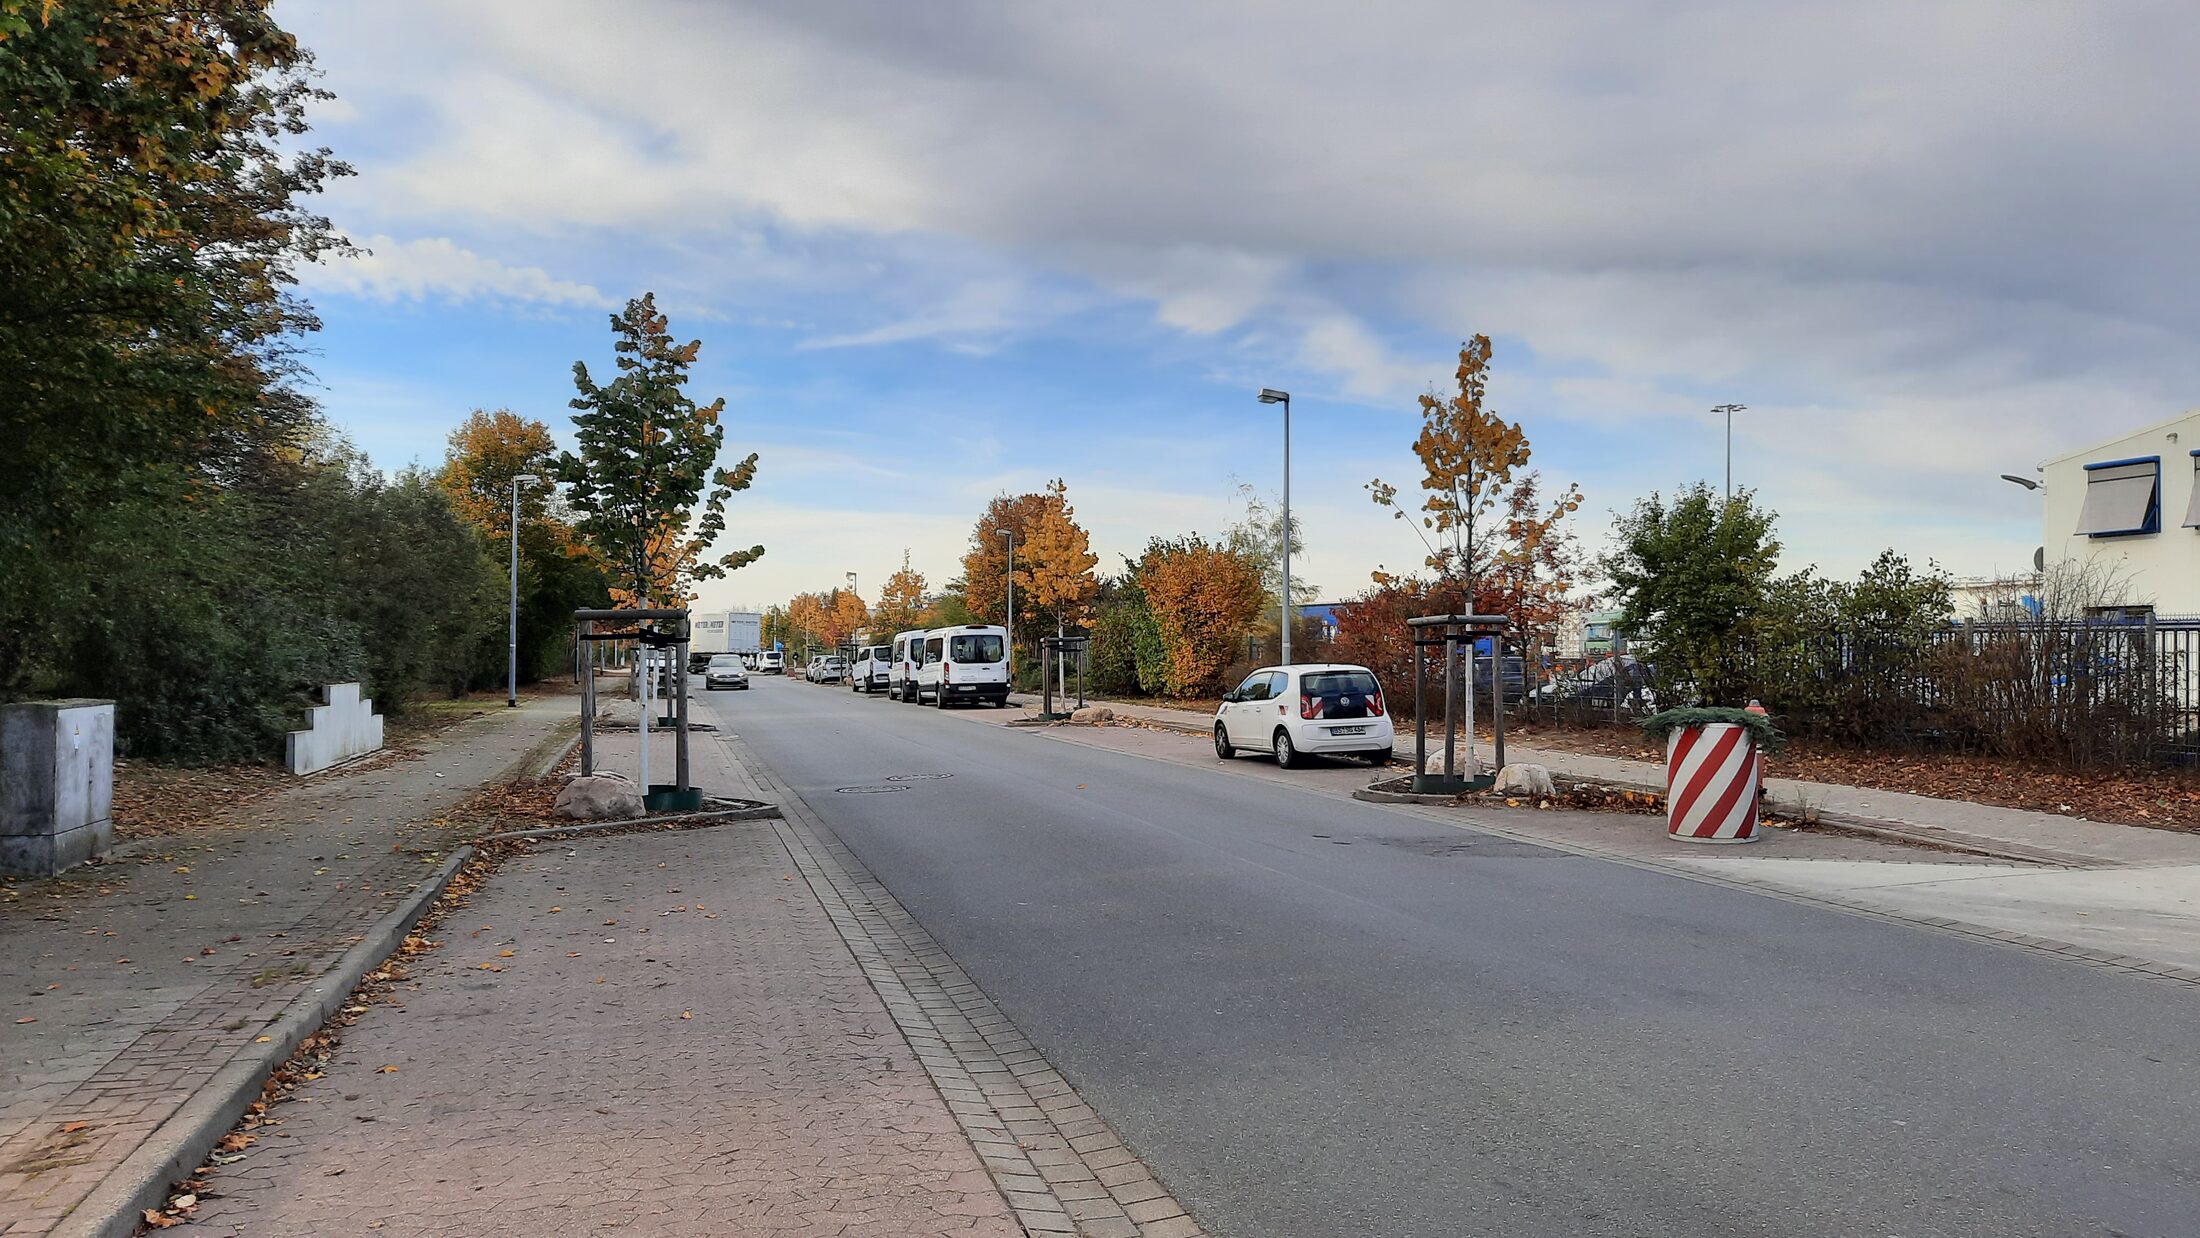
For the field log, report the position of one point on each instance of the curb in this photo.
(115, 1207)
(544, 769)
(761, 812)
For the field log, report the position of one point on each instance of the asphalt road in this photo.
(1324, 1019)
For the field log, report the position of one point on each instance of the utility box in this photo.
(57, 784)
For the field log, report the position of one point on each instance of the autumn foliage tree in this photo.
(1202, 598)
(1054, 564)
(827, 619)
(900, 600)
(1495, 545)
(985, 564)
(648, 455)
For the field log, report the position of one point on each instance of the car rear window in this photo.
(987, 648)
(1339, 683)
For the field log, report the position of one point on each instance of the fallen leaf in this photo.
(387, 1070)
(29, 1018)
(160, 1220)
(262, 1040)
(505, 954)
(687, 1014)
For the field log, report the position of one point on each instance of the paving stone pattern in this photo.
(132, 983)
(714, 1062)
(1064, 1169)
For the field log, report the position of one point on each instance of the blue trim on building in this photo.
(2153, 521)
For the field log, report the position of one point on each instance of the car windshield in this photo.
(723, 661)
(1338, 683)
(986, 648)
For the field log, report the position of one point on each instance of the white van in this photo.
(901, 669)
(868, 674)
(964, 663)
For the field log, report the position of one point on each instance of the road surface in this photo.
(1320, 1018)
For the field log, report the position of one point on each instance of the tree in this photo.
(985, 564)
(1493, 545)
(485, 453)
(1691, 576)
(1054, 564)
(900, 599)
(648, 454)
(1202, 597)
(150, 181)
(1258, 538)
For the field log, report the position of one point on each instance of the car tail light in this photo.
(947, 672)
(1375, 703)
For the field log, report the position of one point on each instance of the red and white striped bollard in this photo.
(1711, 777)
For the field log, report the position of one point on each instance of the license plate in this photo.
(1348, 730)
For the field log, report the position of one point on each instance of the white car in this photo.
(725, 671)
(965, 663)
(1296, 711)
(869, 674)
(771, 662)
(828, 668)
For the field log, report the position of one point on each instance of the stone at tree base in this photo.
(598, 797)
(1093, 713)
(1521, 778)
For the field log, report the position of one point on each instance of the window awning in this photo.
(2121, 497)
(2192, 509)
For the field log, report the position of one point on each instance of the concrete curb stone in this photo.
(114, 1208)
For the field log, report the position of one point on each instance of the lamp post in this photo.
(1269, 395)
(511, 648)
(1010, 535)
(2025, 482)
(1729, 410)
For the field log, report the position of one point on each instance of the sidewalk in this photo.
(141, 979)
(2036, 836)
(723, 1030)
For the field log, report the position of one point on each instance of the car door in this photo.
(1238, 716)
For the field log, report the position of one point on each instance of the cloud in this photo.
(1924, 244)
(425, 267)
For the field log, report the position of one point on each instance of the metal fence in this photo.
(2080, 692)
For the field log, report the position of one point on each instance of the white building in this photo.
(2129, 509)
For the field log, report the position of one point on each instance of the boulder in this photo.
(1521, 778)
(598, 797)
(1094, 714)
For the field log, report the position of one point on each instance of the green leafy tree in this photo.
(1692, 576)
(150, 181)
(648, 454)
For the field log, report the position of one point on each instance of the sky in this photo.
(939, 252)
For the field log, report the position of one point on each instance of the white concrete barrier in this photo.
(345, 726)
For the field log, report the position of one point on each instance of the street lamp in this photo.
(1269, 395)
(2025, 482)
(1729, 410)
(511, 648)
(1010, 534)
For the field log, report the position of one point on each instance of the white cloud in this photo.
(424, 267)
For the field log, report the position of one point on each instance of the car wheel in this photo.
(1379, 758)
(939, 697)
(1287, 753)
(1223, 748)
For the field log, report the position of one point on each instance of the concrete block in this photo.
(57, 784)
(342, 727)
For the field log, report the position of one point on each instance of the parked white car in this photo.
(1296, 711)
(901, 669)
(826, 668)
(771, 662)
(869, 674)
(965, 663)
(725, 671)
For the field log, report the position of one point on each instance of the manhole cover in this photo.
(914, 777)
(866, 790)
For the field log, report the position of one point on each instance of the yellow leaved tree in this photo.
(1054, 564)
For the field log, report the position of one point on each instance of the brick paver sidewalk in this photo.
(136, 981)
(660, 1033)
